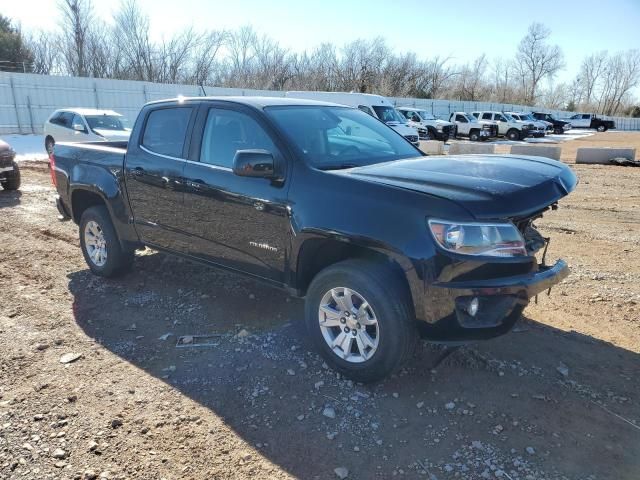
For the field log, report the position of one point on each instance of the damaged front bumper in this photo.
(480, 309)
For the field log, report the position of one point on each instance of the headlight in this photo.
(488, 239)
(439, 128)
(525, 127)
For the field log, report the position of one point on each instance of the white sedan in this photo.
(84, 125)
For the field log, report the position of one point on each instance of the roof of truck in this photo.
(257, 102)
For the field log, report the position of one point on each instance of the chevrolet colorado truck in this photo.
(384, 243)
(590, 120)
(9, 171)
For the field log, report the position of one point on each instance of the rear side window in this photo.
(166, 130)
(65, 119)
(486, 116)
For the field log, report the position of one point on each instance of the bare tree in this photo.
(536, 60)
(132, 33)
(591, 71)
(204, 63)
(77, 17)
(433, 76)
(471, 83)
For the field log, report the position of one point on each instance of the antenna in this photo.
(203, 92)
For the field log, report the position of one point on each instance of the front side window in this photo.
(586, 117)
(66, 119)
(77, 120)
(461, 118)
(166, 130)
(485, 116)
(366, 109)
(576, 117)
(501, 118)
(228, 131)
(331, 138)
(426, 116)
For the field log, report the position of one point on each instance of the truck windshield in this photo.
(426, 116)
(105, 122)
(330, 138)
(388, 114)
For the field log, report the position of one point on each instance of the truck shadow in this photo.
(259, 375)
(9, 198)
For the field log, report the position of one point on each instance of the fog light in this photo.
(472, 309)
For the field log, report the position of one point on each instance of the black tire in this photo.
(558, 131)
(601, 128)
(388, 297)
(117, 259)
(49, 143)
(433, 135)
(12, 179)
(474, 135)
(513, 134)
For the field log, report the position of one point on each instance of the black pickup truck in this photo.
(329, 203)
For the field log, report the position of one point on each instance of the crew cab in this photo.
(9, 171)
(375, 105)
(469, 126)
(507, 126)
(436, 129)
(559, 126)
(590, 120)
(330, 204)
(84, 125)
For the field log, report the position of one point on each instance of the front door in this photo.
(154, 169)
(237, 222)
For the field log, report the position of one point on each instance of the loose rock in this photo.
(341, 472)
(329, 412)
(70, 357)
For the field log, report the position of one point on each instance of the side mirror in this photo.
(78, 127)
(254, 163)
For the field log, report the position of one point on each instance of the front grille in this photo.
(423, 133)
(6, 158)
(412, 138)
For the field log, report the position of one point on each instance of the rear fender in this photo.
(107, 185)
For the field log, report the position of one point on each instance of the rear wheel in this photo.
(360, 317)
(474, 135)
(602, 128)
(12, 181)
(100, 245)
(49, 143)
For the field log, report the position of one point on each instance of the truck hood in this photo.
(402, 128)
(488, 186)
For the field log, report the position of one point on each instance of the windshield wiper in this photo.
(338, 166)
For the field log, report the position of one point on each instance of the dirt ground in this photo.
(557, 398)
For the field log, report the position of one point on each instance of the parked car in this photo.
(383, 242)
(559, 126)
(436, 129)
(9, 171)
(590, 120)
(84, 125)
(375, 105)
(507, 126)
(469, 126)
(540, 128)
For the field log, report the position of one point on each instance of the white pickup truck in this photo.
(507, 126)
(470, 126)
(590, 120)
(540, 127)
(420, 118)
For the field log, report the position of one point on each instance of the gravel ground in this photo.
(178, 371)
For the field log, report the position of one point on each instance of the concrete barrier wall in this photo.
(465, 148)
(432, 147)
(603, 155)
(537, 150)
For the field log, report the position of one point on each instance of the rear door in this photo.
(581, 121)
(154, 174)
(237, 222)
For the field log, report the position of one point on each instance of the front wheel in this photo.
(360, 317)
(602, 128)
(12, 181)
(100, 245)
(474, 135)
(513, 134)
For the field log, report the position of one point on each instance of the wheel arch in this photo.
(321, 251)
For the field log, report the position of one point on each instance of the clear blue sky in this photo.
(463, 29)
